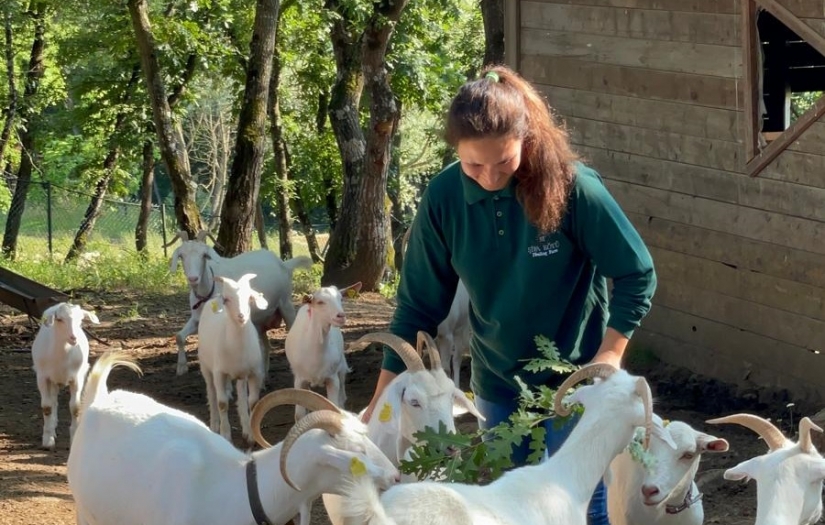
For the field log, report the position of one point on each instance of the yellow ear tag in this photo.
(665, 422)
(470, 395)
(386, 413)
(214, 307)
(357, 467)
(351, 293)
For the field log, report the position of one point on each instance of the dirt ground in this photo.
(33, 487)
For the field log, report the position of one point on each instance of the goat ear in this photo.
(708, 443)
(48, 315)
(462, 402)
(351, 290)
(173, 266)
(343, 461)
(91, 316)
(745, 470)
(260, 302)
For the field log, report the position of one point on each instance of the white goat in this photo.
(274, 280)
(60, 353)
(229, 349)
(136, 461)
(557, 491)
(788, 477)
(453, 337)
(666, 494)
(414, 400)
(315, 345)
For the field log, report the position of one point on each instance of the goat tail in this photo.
(301, 261)
(363, 504)
(96, 383)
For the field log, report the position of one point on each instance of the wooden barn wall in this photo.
(651, 91)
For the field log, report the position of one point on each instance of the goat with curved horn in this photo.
(286, 396)
(602, 370)
(182, 235)
(426, 340)
(406, 351)
(773, 436)
(324, 419)
(805, 442)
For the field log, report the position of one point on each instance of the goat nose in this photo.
(193, 280)
(650, 490)
(72, 340)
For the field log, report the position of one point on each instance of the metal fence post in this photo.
(49, 215)
(163, 226)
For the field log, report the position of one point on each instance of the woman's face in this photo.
(490, 161)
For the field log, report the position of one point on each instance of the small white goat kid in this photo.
(555, 492)
(60, 353)
(315, 345)
(666, 494)
(414, 400)
(274, 280)
(229, 349)
(788, 477)
(136, 461)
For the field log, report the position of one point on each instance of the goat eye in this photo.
(321, 302)
(688, 456)
(59, 320)
(416, 403)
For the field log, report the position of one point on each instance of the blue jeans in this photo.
(495, 413)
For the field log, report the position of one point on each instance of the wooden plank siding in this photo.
(652, 95)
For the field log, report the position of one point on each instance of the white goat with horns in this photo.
(788, 477)
(414, 400)
(136, 461)
(274, 280)
(664, 493)
(555, 492)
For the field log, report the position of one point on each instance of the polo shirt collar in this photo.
(474, 193)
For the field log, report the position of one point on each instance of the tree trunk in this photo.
(397, 225)
(492, 11)
(260, 225)
(238, 213)
(279, 154)
(297, 205)
(146, 183)
(170, 139)
(109, 164)
(358, 246)
(11, 109)
(329, 189)
(33, 76)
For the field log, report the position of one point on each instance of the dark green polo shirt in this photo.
(521, 284)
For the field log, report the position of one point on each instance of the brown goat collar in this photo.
(686, 504)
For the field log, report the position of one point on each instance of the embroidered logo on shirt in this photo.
(543, 247)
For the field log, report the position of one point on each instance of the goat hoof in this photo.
(48, 444)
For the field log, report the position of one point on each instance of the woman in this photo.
(534, 235)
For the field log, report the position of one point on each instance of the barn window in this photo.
(784, 61)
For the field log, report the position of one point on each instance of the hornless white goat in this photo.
(557, 491)
(274, 280)
(414, 400)
(788, 477)
(136, 461)
(315, 345)
(229, 349)
(60, 353)
(666, 494)
(453, 337)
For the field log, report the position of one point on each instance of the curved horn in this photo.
(643, 389)
(286, 396)
(182, 235)
(602, 370)
(805, 427)
(405, 240)
(202, 235)
(405, 350)
(323, 419)
(425, 339)
(766, 430)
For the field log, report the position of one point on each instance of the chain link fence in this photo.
(52, 215)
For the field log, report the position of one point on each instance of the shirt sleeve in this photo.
(428, 282)
(608, 237)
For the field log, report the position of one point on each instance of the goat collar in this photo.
(686, 504)
(255, 504)
(204, 298)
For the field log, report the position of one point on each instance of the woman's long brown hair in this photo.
(501, 104)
